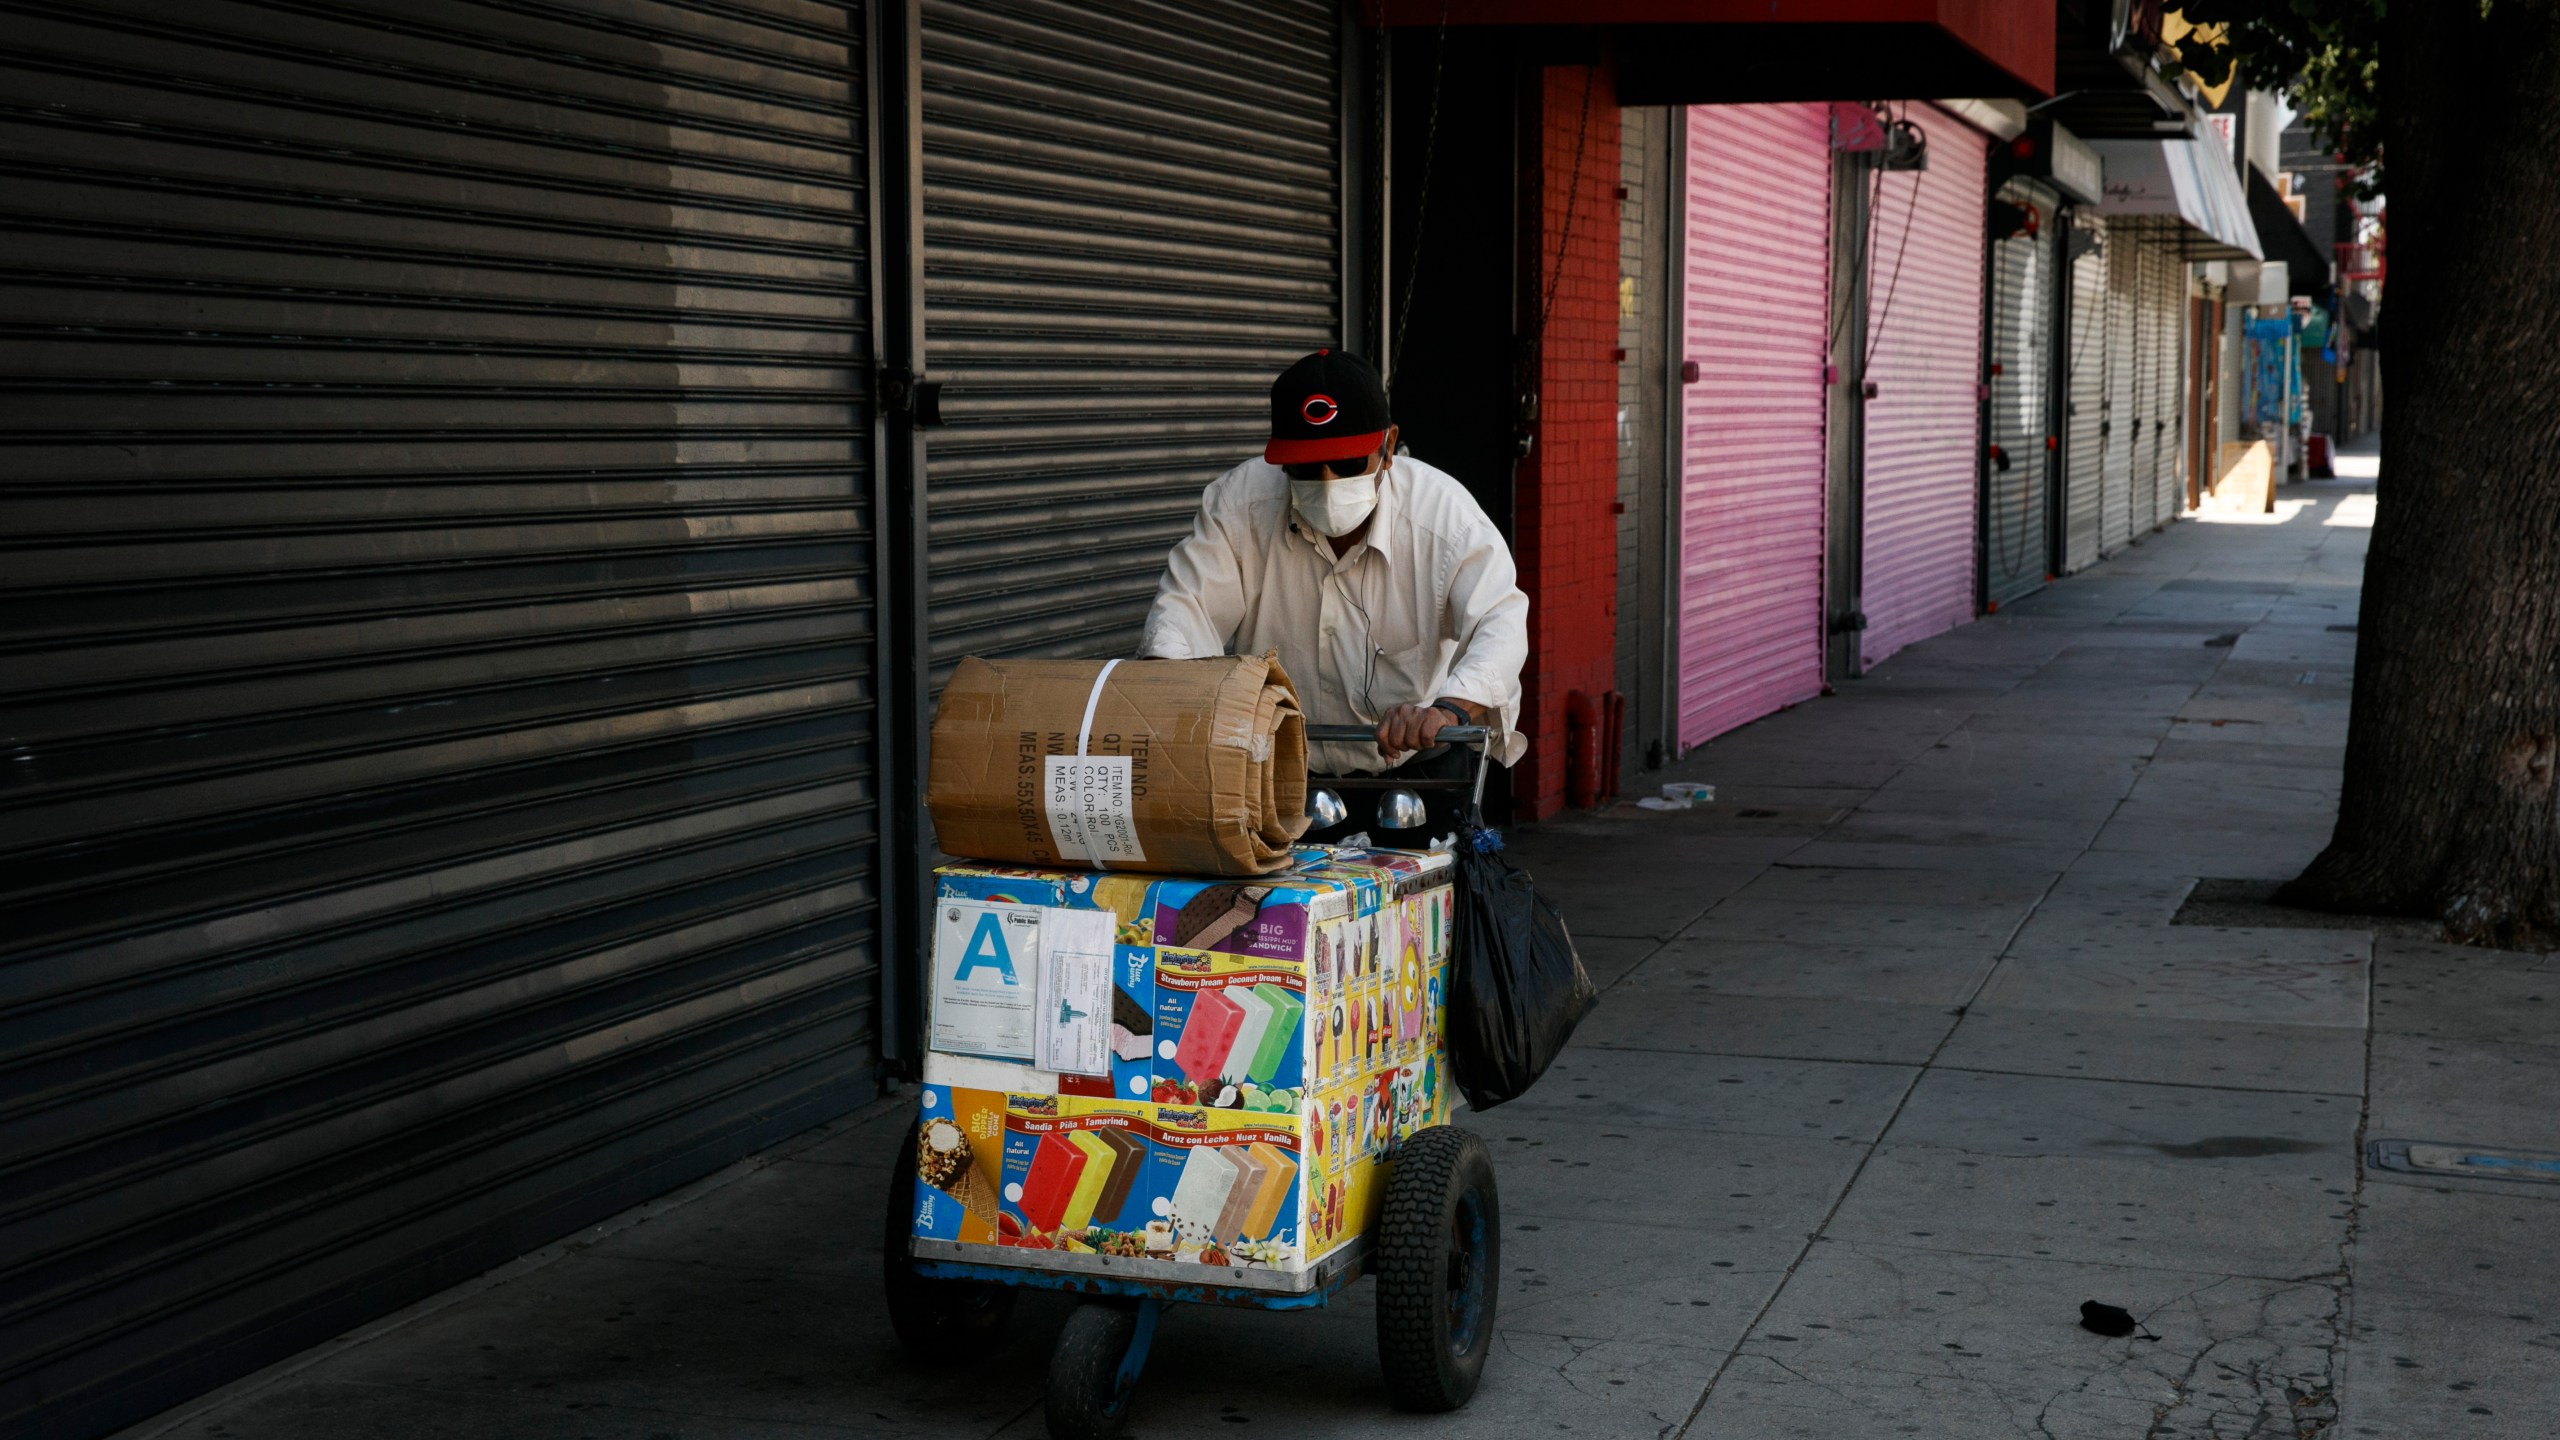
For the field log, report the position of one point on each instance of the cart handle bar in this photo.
(1354, 734)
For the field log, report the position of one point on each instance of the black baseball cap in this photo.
(1329, 406)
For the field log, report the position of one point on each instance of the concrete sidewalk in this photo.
(1901, 1058)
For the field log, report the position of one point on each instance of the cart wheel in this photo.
(1095, 1368)
(939, 1321)
(1439, 1261)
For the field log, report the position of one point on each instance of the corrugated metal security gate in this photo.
(1923, 429)
(2168, 335)
(2155, 401)
(2085, 386)
(2122, 340)
(1132, 223)
(2015, 546)
(2142, 494)
(1756, 306)
(434, 553)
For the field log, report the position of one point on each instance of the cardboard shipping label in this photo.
(1091, 805)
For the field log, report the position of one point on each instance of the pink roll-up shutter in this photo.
(1924, 331)
(1756, 285)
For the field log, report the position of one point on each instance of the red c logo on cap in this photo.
(1319, 409)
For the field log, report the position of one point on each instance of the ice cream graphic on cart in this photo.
(1229, 1195)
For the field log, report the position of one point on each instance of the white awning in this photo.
(2185, 181)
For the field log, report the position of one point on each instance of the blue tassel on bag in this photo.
(1488, 841)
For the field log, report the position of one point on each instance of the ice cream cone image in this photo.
(975, 1196)
(945, 1162)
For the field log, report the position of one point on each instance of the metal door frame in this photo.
(1844, 548)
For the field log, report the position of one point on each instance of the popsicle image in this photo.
(1280, 1037)
(1208, 1035)
(1208, 1177)
(1252, 1176)
(1098, 1161)
(1128, 1158)
(1057, 1167)
(1280, 1174)
(1257, 1023)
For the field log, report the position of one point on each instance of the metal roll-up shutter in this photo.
(2143, 491)
(434, 556)
(2085, 384)
(2015, 544)
(1131, 226)
(1755, 314)
(2123, 330)
(2168, 337)
(1923, 429)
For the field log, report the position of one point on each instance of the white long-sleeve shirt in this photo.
(1426, 606)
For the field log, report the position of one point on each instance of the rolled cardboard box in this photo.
(1181, 767)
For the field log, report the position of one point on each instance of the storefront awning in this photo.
(2282, 238)
(1699, 52)
(2188, 181)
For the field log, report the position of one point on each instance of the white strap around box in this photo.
(1076, 827)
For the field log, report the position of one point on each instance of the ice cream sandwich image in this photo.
(1132, 1028)
(1217, 912)
(1209, 1036)
(1200, 1196)
(1129, 1015)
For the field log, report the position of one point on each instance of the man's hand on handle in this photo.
(1408, 728)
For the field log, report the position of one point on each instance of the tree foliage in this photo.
(2323, 54)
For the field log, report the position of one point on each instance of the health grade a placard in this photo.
(986, 972)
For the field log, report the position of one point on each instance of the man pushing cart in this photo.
(1176, 1053)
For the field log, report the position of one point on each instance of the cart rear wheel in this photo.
(939, 1321)
(1094, 1370)
(1439, 1261)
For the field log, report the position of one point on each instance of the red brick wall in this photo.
(1564, 525)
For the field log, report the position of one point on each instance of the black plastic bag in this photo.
(1518, 988)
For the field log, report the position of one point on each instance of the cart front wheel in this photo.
(939, 1321)
(1439, 1261)
(1095, 1368)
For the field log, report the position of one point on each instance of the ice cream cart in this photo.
(1148, 1091)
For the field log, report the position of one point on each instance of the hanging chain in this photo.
(1422, 198)
(1572, 200)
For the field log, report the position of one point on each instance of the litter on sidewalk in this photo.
(1679, 795)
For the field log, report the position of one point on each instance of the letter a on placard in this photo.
(987, 948)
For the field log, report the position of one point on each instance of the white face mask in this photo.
(1335, 507)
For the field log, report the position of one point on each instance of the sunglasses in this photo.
(1327, 469)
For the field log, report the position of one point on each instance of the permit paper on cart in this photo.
(1023, 982)
(1073, 1033)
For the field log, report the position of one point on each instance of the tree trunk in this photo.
(2453, 747)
